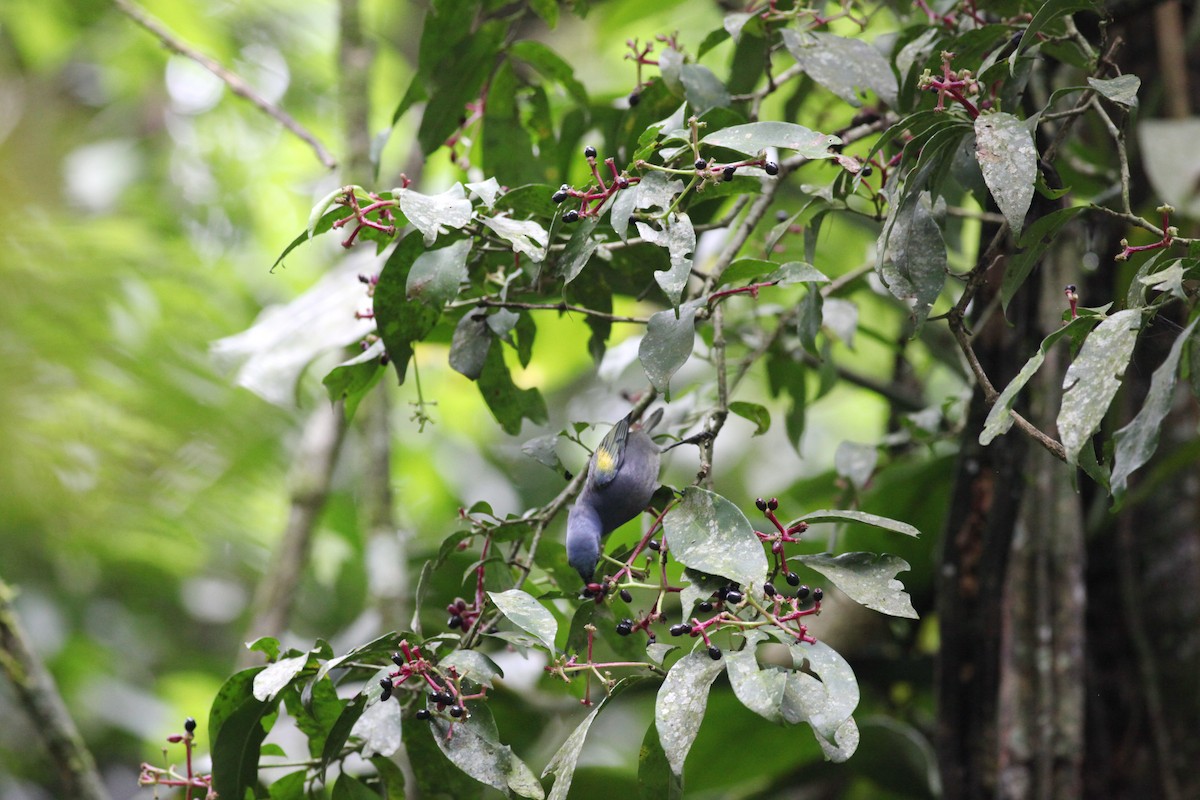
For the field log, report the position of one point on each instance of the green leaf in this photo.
(1122, 89)
(457, 80)
(324, 225)
(548, 11)
(1138, 440)
(842, 65)
(470, 345)
(679, 706)
(436, 275)
(551, 65)
(1093, 378)
(668, 344)
(347, 787)
(797, 272)
(709, 533)
(434, 774)
(401, 322)
(861, 517)
(475, 748)
(351, 380)
(578, 251)
(867, 578)
(746, 270)
(757, 414)
(656, 779)
(912, 256)
(702, 88)
(527, 614)
(339, 733)
(999, 418)
(1045, 15)
(429, 213)
(679, 238)
(1033, 244)
(508, 403)
(562, 764)
(754, 137)
(290, 786)
(1008, 158)
(235, 725)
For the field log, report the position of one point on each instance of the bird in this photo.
(621, 478)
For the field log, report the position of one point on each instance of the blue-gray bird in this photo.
(621, 479)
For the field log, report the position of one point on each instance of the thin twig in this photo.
(233, 81)
(486, 302)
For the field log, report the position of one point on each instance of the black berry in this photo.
(771, 168)
(571, 216)
(634, 99)
(773, 504)
(651, 638)
(802, 593)
(714, 652)
(589, 152)
(625, 627)
(681, 629)
(456, 711)
(701, 163)
(728, 173)
(818, 594)
(653, 544)
(769, 589)
(733, 597)
(189, 724)
(386, 685)
(398, 659)
(559, 196)
(623, 183)
(704, 607)
(626, 596)
(423, 713)
(762, 504)
(793, 579)
(454, 622)
(867, 170)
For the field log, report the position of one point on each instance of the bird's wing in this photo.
(610, 454)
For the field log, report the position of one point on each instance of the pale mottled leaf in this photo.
(1138, 440)
(867, 578)
(1007, 157)
(668, 344)
(527, 614)
(429, 213)
(842, 65)
(682, 699)
(754, 137)
(1094, 377)
(710, 534)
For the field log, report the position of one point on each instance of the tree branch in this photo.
(230, 79)
(38, 695)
